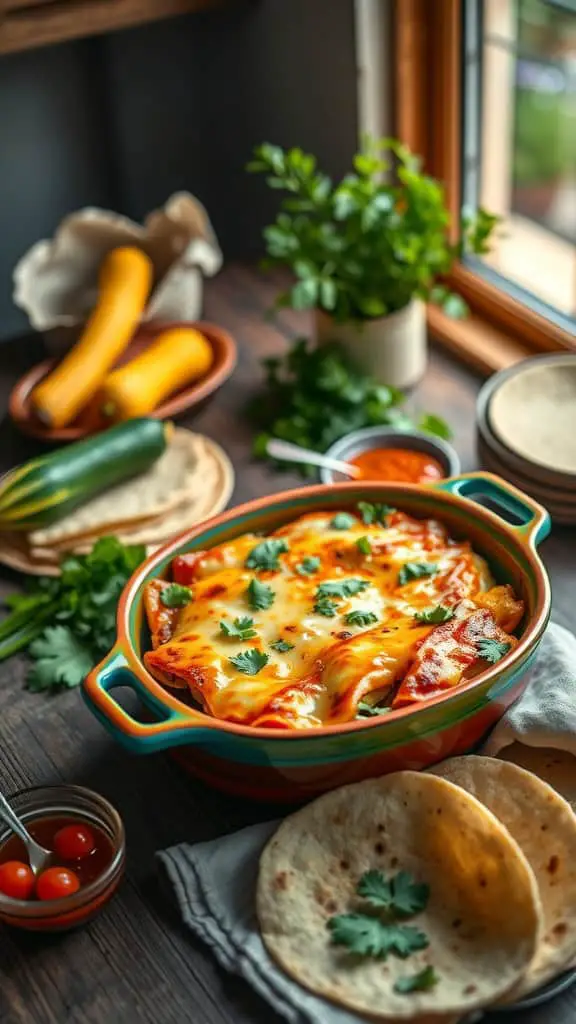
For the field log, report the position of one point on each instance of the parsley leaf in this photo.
(364, 546)
(260, 595)
(175, 595)
(282, 646)
(342, 521)
(241, 629)
(61, 660)
(434, 616)
(342, 588)
(360, 618)
(369, 936)
(308, 565)
(366, 710)
(265, 555)
(491, 650)
(400, 894)
(420, 982)
(250, 662)
(374, 513)
(415, 571)
(324, 606)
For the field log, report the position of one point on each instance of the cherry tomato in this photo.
(54, 883)
(73, 842)
(16, 880)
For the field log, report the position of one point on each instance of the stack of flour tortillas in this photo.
(192, 480)
(424, 897)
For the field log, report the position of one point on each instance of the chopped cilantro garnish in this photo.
(342, 588)
(434, 616)
(175, 595)
(250, 662)
(400, 894)
(374, 513)
(364, 546)
(360, 618)
(415, 571)
(420, 982)
(260, 595)
(324, 606)
(366, 710)
(342, 521)
(265, 555)
(282, 646)
(492, 650)
(308, 565)
(240, 629)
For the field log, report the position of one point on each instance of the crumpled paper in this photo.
(56, 281)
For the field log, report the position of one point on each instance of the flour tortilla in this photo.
(482, 919)
(151, 494)
(556, 767)
(544, 826)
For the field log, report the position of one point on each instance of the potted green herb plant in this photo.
(367, 252)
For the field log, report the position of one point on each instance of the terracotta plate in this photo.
(89, 423)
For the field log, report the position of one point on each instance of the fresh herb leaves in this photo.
(342, 521)
(395, 898)
(265, 555)
(175, 595)
(492, 650)
(416, 571)
(240, 629)
(364, 546)
(342, 588)
(434, 616)
(420, 982)
(250, 662)
(372, 514)
(260, 595)
(324, 606)
(400, 894)
(360, 618)
(81, 607)
(366, 710)
(282, 646)
(308, 566)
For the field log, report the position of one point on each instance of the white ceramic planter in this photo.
(393, 349)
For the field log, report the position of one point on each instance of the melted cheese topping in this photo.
(332, 663)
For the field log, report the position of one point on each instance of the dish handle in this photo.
(521, 513)
(169, 727)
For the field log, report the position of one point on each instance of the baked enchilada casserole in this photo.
(333, 617)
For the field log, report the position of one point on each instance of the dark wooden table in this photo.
(136, 963)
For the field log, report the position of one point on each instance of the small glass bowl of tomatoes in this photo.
(85, 835)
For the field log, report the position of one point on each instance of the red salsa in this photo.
(398, 465)
(82, 853)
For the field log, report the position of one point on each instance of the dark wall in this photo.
(124, 120)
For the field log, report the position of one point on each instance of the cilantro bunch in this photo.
(68, 623)
(313, 396)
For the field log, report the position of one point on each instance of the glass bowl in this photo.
(70, 911)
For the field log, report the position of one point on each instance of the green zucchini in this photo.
(46, 489)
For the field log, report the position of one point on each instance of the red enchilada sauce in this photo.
(82, 853)
(398, 465)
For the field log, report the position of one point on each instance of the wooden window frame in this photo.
(428, 95)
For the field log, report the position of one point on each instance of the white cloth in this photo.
(214, 882)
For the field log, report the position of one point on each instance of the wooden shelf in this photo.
(26, 24)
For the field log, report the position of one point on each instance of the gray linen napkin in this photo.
(214, 882)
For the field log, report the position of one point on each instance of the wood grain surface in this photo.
(136, 964)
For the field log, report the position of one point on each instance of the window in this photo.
(495, 83)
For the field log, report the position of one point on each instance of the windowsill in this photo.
(476, 341)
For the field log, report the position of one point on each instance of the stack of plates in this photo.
(526, 430)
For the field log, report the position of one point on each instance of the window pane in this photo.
(520, 144)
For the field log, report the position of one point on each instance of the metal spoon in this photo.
(287, 452)
(37, 855)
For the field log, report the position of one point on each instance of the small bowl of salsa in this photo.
(394, 456)
(86, 837)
